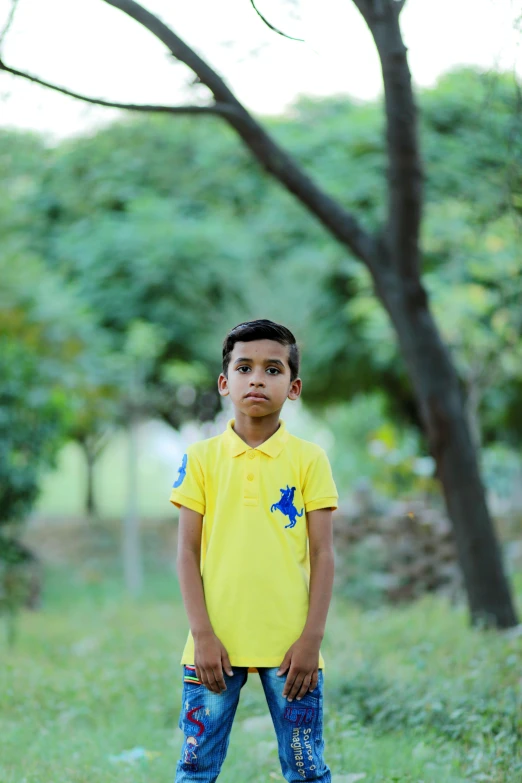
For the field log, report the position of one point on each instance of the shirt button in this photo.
(250, 477)
(251, 454)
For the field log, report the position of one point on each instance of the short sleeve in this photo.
(189, 485)
(319, 490)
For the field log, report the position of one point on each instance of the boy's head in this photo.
(260, 367)
(249, 331)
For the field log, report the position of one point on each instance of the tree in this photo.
(139, 237)
(45, 337)
(392, 255)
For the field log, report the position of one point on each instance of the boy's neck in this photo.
(255, 430)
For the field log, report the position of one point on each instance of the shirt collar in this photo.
(271, 447)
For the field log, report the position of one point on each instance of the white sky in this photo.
(90, 47)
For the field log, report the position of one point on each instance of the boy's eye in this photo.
(244, 368)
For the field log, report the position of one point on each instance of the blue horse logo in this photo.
(286, 506)
(182, 472)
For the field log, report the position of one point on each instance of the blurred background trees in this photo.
(128, 253)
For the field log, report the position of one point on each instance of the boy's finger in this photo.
(226, 666)
(283, 667)
(290, 677)
(220, 682)
(295, 687)
(304, 687)
(313, 684)
(209, 680)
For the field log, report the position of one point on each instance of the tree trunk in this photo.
(131, 544)
(92, 444)
(90, 459)
(443, 412)
(473, 398)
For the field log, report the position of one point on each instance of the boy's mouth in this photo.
(255, 396)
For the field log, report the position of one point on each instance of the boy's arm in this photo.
(210, 654)
(322, 567)
(302, 658)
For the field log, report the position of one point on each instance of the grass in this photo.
(411, 695)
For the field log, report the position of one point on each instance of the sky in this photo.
(90, 47)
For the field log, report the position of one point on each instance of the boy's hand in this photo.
(301, 660)
(210, 658)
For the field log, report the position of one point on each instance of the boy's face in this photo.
(259, 378)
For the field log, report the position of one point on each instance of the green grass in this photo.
(411, 695)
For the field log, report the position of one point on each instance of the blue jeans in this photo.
(206, 720)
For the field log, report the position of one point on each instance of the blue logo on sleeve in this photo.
(286, 506)
(182, 472)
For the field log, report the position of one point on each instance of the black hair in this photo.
(262, 330)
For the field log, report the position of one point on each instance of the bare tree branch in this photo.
(179, 49)
(341, 223)
(271, 26)
(9, 22)
(215, 108)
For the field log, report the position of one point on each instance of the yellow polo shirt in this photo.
(255, 563)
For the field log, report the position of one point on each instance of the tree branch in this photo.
(178, 48)
(399, 5)
(338, 221)
(271, 26)
(364, 7)
(341, 223)
(405, 175)
(216, 108)
(378, 8)
(9, 22)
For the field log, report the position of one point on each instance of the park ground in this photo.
(412, 694)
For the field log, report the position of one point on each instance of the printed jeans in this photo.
(206, 720)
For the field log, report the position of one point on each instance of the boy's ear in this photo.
(223, 385)
(295, 389)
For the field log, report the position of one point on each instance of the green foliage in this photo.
(169, 225)
(471, 133)
(472, 142)
(150, 213)
(35, 402)
(370, 449)
(42, 339)
(475, 297)
(50, 353)
(486, 722)
(32, 413)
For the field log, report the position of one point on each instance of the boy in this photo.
(255, 563)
